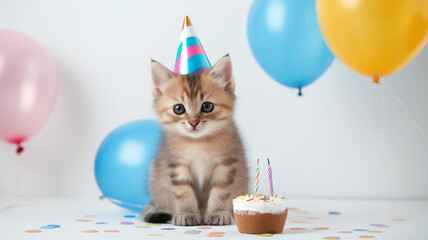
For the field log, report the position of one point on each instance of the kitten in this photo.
(201, 163)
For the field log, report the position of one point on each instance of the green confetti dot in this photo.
(142, 226)
(374, 231)
(191, 233)
(153, 235)
(266, 235)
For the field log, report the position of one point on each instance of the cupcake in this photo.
(260, 214)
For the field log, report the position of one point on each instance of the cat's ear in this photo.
(160, 77)
(222, 72)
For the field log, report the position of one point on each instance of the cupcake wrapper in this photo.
(259, 223)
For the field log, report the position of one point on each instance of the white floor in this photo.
(402, 220)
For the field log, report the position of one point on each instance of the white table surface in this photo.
(19, 215)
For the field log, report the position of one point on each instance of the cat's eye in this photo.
(179, 109)
(207, 107)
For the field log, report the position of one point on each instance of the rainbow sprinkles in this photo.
(252, 204)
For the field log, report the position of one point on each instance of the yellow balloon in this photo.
(374, 37)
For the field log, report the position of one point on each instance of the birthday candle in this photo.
(270, 178)
(256, 184)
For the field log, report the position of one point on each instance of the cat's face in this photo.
(194, 105)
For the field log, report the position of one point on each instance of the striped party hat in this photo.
(191, 57)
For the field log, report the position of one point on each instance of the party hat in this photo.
(191, 57)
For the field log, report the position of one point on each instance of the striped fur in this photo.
(197, 172)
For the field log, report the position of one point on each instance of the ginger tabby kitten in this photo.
(201, 163)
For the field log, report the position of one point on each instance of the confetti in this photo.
(331, 237)
(111, 231)
(101, 223)
(334, 213)
(84, 220)
(34, 231)
(293, 209)
(126, 223)
(309, 222)
(383, 226)
(398, 220)
(345, 231)
(360, 230)
(215, 234)
(191, 233)
(167, 228)
(142, 226)
(50, 226)
(204, 228)
(129, 216)
(296, 228)
(265, 235)
(366, 236)
(322, 228)
(153, 235)
(377, 225)
(196, 231)
(90, 231)
(374, 231)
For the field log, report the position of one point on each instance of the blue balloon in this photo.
(286, 41)
(123, 161)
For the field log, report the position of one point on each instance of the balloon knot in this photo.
(375, 80)
(19, 148)
(300, 92)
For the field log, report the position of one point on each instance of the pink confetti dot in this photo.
(383, 226)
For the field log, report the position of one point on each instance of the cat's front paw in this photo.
(187, 219)
(219, 218)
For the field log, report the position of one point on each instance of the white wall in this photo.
(339, 139)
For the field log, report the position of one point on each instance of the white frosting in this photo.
(260, 204)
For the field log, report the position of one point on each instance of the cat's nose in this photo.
(194, 123)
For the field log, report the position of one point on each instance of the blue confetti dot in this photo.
(194, 231)
(334, 213)
(360, 230)
(129, 216)
(50, 226)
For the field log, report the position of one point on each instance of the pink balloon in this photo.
(28, 87)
